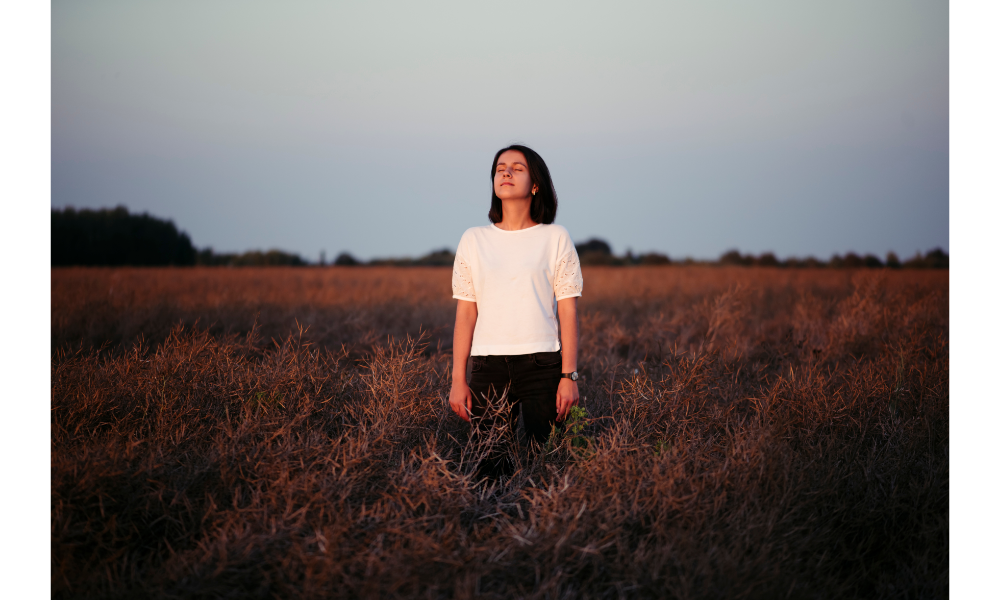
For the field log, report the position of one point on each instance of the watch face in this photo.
(574, 376)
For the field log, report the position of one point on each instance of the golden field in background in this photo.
(283, 432)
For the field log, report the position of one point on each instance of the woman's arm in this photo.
(465, 324)
(568, 394)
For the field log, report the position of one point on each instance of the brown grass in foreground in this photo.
(755, 433)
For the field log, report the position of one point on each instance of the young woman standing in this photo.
(517, 282)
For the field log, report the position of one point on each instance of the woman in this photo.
(512, 278)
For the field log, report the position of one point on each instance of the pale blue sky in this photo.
(684, 127)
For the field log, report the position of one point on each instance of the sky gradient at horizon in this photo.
(688, 128)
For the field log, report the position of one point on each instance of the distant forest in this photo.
(114, 237)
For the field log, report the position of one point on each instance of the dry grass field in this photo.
(283, 433)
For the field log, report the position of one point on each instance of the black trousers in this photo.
(530, 382)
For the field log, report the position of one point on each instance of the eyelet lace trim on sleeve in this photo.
(568, 279)
(461, 280)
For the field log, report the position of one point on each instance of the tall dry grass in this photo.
(754, 433)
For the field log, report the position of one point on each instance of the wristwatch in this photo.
(571, 376)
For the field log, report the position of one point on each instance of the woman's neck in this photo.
(516, 215)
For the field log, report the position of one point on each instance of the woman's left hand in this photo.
(567, 396)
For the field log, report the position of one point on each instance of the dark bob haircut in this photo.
(543, 203)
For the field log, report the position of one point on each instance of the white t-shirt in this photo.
(515, 278)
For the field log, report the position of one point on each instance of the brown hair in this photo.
(543, 203)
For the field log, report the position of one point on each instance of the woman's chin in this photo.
(510, 195)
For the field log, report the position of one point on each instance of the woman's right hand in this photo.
(465, 324)
(461, 399)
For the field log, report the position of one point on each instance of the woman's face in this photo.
(511, 180)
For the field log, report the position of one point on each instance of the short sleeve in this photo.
(568, 277)
(461, 280)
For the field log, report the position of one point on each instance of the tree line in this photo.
(598, 252)
(114, 237)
